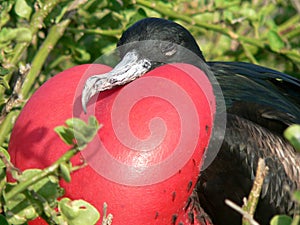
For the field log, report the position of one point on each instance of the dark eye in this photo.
(168, 48)
(147, 65)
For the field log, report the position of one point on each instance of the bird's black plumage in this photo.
(163, 30)
(260, 104)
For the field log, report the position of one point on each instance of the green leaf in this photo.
(3, 221)
(4, 83)
(3, 71)
(7, 34)
(48, 187)
(248, 13)
(7, 156)
(297, 196)
(79, 131)
(65, 171)
(30, 203)
(3, 178)
(281, 220)
(275, 41)
(20, 209)
(6, 6)
(66, 134)
(84, 133)
(78, 212)
(22, 9)
(140, 14)
(292, 134)
(228, 16)
(40, 197)
(81, 140)
(22, 34)
(80, 54)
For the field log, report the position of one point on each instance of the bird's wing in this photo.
(262, 95)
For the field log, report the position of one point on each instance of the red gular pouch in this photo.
(145, 160)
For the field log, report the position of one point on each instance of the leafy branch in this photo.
(273, 43)
(35, 191)
(23, 86)
(35, 24)
(251, 203)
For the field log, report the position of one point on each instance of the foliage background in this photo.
(39, 38)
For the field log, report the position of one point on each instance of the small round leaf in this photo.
(22, 9)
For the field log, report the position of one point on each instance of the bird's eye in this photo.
(147, 65)
(168, 48)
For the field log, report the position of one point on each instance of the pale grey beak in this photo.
(130, 68)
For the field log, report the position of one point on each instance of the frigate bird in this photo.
(260, 104)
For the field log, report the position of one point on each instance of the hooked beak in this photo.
(130, 68)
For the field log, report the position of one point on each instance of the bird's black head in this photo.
(144, 46)
(167, 32)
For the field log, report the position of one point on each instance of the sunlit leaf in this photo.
(66, 134)
(292, 134)
(4, 83)
(83, 133)
(248, 12)
(3, 178)
(65, 171)
(21, 34)
(22, 9)
(7, 34)
(81, 55)
(79, 131)
(20, 208)
(7, 156)
(4, 12)
(139, 14)
(48, 187)
(275, 41)
(281, 220)
(228, 16)
(78, 212)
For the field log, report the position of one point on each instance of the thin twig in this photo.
(42, 174)
(9, 166)
(55, 33)
(253, 198)
(245, 214)
(250, 204)
(110, 32)
(13, 100)
(106, 219)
